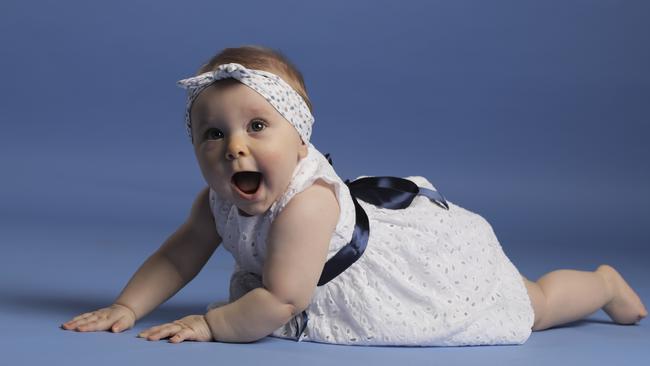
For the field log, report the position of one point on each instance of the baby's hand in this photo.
(191, 328)
(117, 316)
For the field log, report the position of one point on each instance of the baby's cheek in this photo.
(210, 171)
(280, 167)
(210, 177)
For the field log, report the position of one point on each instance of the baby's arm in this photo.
(175, 263)
(297, 247)
(163, 274)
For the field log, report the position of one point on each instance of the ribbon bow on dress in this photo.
(386, 192)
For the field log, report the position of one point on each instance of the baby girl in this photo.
(373, 261)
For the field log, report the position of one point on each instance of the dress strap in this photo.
(386, 192)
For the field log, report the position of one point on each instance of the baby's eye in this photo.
(213, 134)
(257, 123)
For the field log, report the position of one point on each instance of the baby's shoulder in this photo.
(318, 197)
(308, 219)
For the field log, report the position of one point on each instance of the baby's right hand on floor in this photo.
(117, 317)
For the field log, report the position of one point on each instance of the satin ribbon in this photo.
(386, 192)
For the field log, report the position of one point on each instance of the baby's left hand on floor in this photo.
(189, 328)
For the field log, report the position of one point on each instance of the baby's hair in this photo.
(261, 58)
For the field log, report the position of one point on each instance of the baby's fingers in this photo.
(84, 315)
(95, 324)
(182, 335)
(80, 322)
(76, 320)
(120, 325)
(163, 332)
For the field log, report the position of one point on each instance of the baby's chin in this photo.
(252, 211)
(243, 213)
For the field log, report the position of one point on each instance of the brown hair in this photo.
(261, 58)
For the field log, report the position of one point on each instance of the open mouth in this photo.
(248, 181)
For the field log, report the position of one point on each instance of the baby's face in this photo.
(236, 129)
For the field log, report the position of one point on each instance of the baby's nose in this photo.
(235, 150)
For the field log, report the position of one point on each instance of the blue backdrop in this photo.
(534, 114)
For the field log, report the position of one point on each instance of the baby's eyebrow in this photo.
(257, 110)
(203, 120)
(202, 117)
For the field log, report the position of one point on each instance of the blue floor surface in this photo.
(50, 274)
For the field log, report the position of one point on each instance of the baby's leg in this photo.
(564, 295)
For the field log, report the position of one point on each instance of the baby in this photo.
(375, 261)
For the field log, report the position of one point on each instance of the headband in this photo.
(275, 90)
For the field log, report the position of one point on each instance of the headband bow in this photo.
(275, 90)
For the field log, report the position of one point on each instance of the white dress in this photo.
(428, 277)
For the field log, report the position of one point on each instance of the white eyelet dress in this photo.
(428, 276)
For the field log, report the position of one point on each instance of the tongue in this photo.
(247, 181)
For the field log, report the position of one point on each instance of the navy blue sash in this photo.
(386, 192)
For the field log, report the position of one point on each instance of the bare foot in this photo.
(626, 306)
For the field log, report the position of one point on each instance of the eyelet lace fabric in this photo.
(428, 277)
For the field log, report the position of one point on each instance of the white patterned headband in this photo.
(275, 90)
